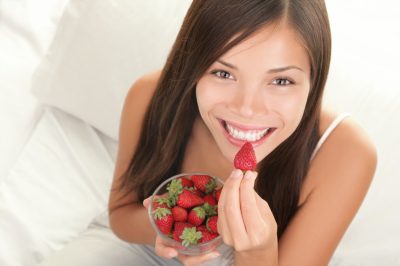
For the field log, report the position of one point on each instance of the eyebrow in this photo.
(272, 70)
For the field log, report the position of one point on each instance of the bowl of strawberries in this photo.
(184, 212)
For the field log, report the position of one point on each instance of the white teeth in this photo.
(252, 135)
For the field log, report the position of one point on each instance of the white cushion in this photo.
(99, 49)
(59, 183)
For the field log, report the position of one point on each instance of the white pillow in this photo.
(58, 185)
(99, 49)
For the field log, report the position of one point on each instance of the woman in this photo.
(244, 71)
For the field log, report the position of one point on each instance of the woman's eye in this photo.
(222, 74)
(282, 82)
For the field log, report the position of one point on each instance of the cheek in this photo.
(208, 95)
(293, 109)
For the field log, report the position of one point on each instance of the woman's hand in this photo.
(169, 252)
(245, 220)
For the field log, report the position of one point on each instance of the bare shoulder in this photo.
(348, 148)
(337, 182)
(134, 108)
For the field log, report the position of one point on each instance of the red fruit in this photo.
(190, 236)
(204, 183)
(202, 228)
(245, 159)
(196, 216)
(210, 209)
(187, 199)
(207, 236)
(185, 182)
(211, 224)
(198, 192)
(163, 219)
(218, 194)
(160, 202)
(178, 229)
(180, 214)
(210, 199)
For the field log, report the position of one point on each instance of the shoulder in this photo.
(348, 151)
(134, 108)
(143, 88)
(334, 189)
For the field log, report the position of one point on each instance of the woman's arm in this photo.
(340, 176)
(128, 217)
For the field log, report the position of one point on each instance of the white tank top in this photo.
(328, 131)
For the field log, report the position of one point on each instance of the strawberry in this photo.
(163, 219)
(210, 209)
(196, 216)
(161, 202)
(218, 194)
(210, 199)
(211, 224)
(202, 228)
(190, 236)
(187, 199)
(204, 183)
(207, 236)
(185, 182)
(197, 192)
(245, 159)
(178, 229)
(180, 214)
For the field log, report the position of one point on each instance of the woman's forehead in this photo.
(275, 44)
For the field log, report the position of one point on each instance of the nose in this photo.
(248, 102)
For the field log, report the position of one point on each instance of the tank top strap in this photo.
(328, 131)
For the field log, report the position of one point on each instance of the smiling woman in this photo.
(227, 81)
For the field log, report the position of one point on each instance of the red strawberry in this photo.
(163, 219)
(207, 236)
(196, 216)
(218, 194)
(160, 202)
(245, 159)
(210, 209)
(178, 229)
(190, 236)
(198, 192)
(185, 182)
(210, 199)
(211, 224)
(202, 228)
(187, 199)
(180, 214)
(204, 183)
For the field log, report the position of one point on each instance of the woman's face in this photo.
(256, 92)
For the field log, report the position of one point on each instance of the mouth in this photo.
(239, 134)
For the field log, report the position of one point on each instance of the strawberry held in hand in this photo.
(245, 159)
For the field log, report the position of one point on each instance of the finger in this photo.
(146, 202)
(231, 208)
(163, 250)
(264, 208)
(197, 260)
(222, 223)
(252, 217)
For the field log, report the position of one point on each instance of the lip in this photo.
(239, 143)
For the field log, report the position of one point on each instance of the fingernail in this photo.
(236, 174)
(172, 254)
(248, 174)
(215, 255)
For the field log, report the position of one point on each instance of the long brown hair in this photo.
(206, 34)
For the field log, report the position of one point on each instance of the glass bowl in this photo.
(192, 249)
